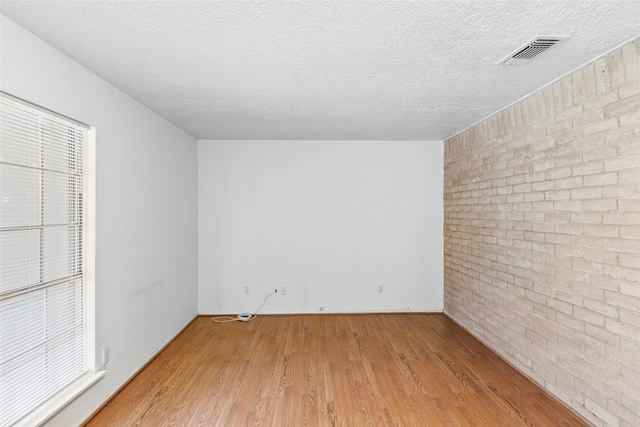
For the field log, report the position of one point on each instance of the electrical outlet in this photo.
(246, 290)
(106, 355)
(283, 290)
(380, 289)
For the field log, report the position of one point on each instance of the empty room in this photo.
(320, 213)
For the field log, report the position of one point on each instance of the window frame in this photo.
(43, 412)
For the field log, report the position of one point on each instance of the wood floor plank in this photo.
(331, 370)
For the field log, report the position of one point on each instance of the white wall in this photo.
(146, 208)
(331, 221)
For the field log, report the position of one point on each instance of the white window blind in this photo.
(43, 298)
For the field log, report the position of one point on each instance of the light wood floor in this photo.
(331, 370)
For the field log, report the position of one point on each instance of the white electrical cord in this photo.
(243, 317)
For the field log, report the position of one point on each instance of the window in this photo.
(46, 310)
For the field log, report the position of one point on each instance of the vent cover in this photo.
(532, 49)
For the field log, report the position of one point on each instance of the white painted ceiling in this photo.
(325, 70)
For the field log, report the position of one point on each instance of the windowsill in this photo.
(42, 413)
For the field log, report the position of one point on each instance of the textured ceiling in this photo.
(325, 69)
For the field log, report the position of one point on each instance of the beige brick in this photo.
(516, 161)
(497, 199)
(600, 179)
(601, 364)
(558, 104)
(600, 100)
(630, 289)
(589, 117)
(567, 91)
(544, 122)
(602, 75)
(538, 98)
(562, 348)
(518, 179)
(620, 163)
(534, 196)
(587, 241)
(589, 81)
(568, 205)
(560, 305)
(630, 63)
(576, 324)
(521, 206)
(588, 168)
(572, 182)
(630, 232)
(630, 316)
(602, 334)
(620, 218)
(588, 342)
(570, 297)
(593, 143)
(600, 205)
(630, 260)
(568, 228)
(622, 244)
(586, 218)
(578, 88)
(601, 412)
(621, 328)
(538, 146)
(541, 247)
(625, 106)
(498, 182)
(600, 256)
(557, 195)
(624, 273)
(606, 310)
(622, 191)
(600, 127)
(586, 266)
(630, 374)
(569, 113)
(535, 177)
(600, 230)
(561, 217)
(511, 198)
(630, 417)
(630, 119)
(587, 193)
(569, 159)
(569, 251)
(630, 147)
(615, 68)
(630, 205)
(543, 165)
(559, 172)
(522, 188)
(629, 345)
(559, 127)
(534, 216)
(603, 282)
(544, 310)
(629, 89)
(596, 155)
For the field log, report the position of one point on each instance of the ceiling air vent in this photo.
(532, 49)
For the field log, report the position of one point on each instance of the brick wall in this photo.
(542, 236)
